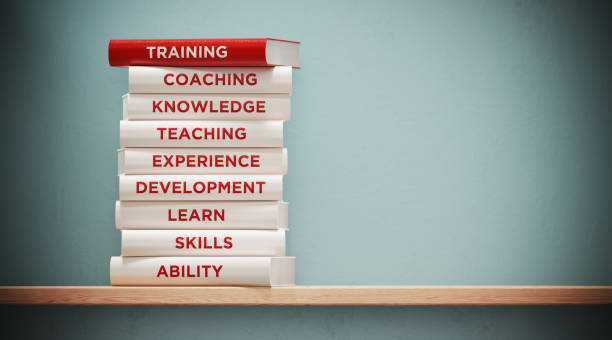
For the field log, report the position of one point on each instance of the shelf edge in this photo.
(307, 295)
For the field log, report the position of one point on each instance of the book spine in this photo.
(144, 79)
(159, 134)
(201, 215)
(188, 52)
(202, 243)
(200, 187)
(140, 161)
(202, 271)
(208, 107)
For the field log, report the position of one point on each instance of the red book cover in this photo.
(203, 52)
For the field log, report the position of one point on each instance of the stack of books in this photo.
(202, 161)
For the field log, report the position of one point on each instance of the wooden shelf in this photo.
(307, 295)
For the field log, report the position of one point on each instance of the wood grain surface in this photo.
(307, 295)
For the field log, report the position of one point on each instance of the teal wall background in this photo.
(431, 142)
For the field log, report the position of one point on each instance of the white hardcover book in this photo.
(200, 187)
(206, 106)
(203, 242)
(147, 79)
(201, 215)
(202, 134)
(202, 271)
(140, 161)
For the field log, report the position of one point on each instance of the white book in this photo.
(203, 242)
(200, 187)
(202, 271)
(140, 161)
(147, 79)
(201, 215)
(206, 106)
(190, 133)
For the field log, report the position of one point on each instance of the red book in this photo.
(203, 52)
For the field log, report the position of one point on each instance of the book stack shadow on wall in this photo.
(202, 161)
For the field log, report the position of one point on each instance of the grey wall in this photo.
(167, 323)
(431, 142)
